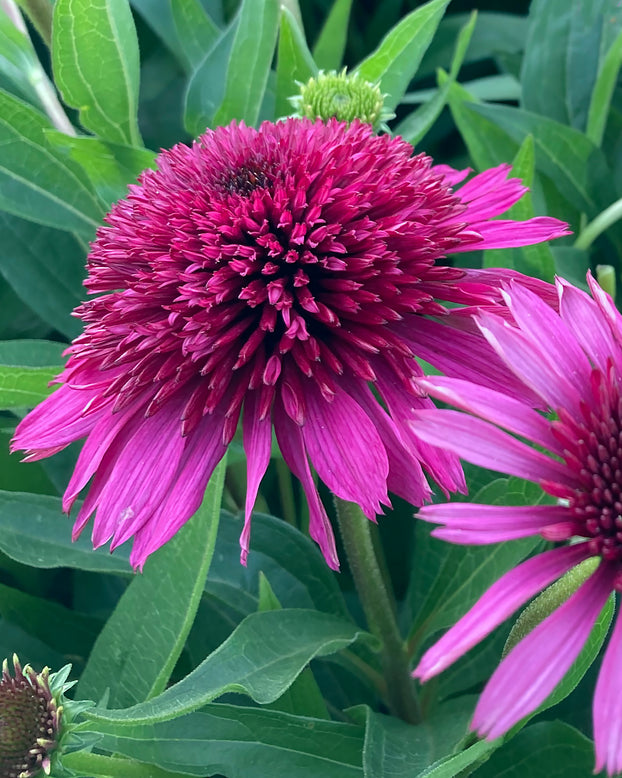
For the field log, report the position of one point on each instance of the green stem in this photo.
(379, 608)
(602, 222)
(40, 14)
(101, 766)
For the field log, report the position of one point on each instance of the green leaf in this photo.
(250, 61)
(549, 749)
(195, 28)
(495, 33)
(36, 181)
(96, 65)
(206, 87)
(414, 127)
(394, 749)
(292, 563)
(457, 763)
(31, 353)
(134, 655)
(536, 260)
(331, 42)
(487, 144)
(303, 698)
(45, 268)
(448, 579)
(262, 658)
(37, 653)
(394, 63)
(73, 633)
(23, 387)
(568, 157)
(566, 43)
(109, 166)
(242, 742)
(294, 62)
(603, 92)
(23, 384)
(34, 531)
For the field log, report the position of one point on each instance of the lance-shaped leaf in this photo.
(96, 65)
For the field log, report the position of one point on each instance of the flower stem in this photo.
(379, 608)
(602, 222)
(99, 765)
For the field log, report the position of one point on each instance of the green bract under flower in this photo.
(344, 96)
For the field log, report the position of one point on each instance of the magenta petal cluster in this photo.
(273, 275)
(573, 362)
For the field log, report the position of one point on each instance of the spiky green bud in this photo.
(343, 96)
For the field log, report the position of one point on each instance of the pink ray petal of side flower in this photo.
(346, 450)
(529, 362)
(204, 450)
(257, 434)
(444, 345)
(471, 523)
(548, 331)
(607, 306)
(451, 177)
(291, 444)
(534, 667)
(607, 711)
(506, 595)
(496, 407)
(584, 318)
(485, 445)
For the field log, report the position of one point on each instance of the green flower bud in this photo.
(550, 599)
(37, 721)
(343, 96)
(29, 721)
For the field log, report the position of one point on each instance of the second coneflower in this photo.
(273, 274)
(573, 362)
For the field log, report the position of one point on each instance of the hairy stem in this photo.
(379, 608)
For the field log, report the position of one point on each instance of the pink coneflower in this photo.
(276, 274)
(573, 362)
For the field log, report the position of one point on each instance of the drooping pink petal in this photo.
(290, 441)
(346, 451)
(485, 445)
(203, 451)
(534, 667)
(511, 591)
(406, 478)
(55, 423)
(442, 465)
(607, 707)
(140, 478)
(257, 443)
